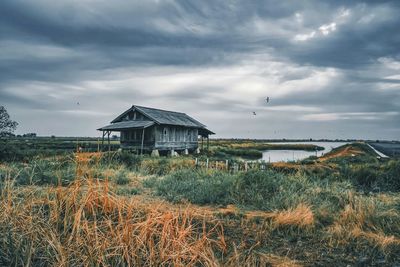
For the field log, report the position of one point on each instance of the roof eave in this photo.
(118, 127)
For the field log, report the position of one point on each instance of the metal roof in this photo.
(164, 117)
(205, 132)
(126, 125)
(153, 116)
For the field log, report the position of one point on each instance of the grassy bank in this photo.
(252, 150)
(24, 148)
(102, 209)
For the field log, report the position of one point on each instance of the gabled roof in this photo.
(126, 125)
(164, 117)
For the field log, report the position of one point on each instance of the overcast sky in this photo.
(330, 68)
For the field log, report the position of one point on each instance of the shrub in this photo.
(42, 172)
(151, 181)
(264, 190)
(122, 178)
(382, 176)
(198, 187)
(392, 177)
(163, 166)
(256, 187)
(127, 191)
(364, 175)
(241, 152)
(127, 158)
(158, 166)
(9, 153)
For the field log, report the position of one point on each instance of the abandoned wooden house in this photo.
(153, 130)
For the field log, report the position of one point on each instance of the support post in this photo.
(208, 142)
(102, 141)
(202, 143)
(108, 138)
(141, 150)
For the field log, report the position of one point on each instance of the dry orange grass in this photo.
(302, 216)
(292, 167)
(260, 259)
(379, 238)
(278, 261)
(348, 151)
(85, 224)
(355, 222)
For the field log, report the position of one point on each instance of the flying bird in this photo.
(254, 113)
(267, 99)
(78, 103)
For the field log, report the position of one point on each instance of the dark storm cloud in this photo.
(191, 25)
(326, 57)
(347, 98)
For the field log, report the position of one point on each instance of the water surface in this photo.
(294, 155)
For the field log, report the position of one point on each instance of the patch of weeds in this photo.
(122, 178)
(127, 191)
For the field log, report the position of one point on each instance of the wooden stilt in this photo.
(102, 141)
(208, 142)
(108, 139)
(141, 150)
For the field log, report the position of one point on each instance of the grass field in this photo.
(119, 209)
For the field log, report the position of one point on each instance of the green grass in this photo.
(24, 149)
(263, 190)
(199, 187)
(122, 178)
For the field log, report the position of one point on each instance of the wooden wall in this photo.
(162, 137)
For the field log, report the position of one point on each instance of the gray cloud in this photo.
(324, 64)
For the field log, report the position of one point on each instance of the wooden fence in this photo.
(231, 166)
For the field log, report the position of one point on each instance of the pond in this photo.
(294, 155)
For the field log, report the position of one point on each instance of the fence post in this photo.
(245, 166)
(207, 164)
(226, 163)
